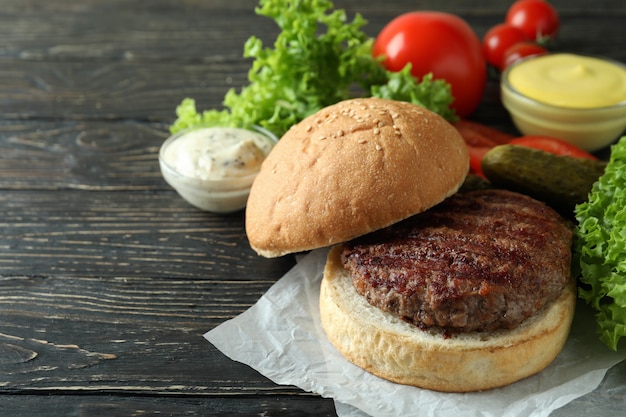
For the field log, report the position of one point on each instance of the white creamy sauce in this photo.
(217, 153)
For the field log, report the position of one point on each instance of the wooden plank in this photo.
(113, 90)
(122, 334)
(155, 30)
(90, 155)
(119, 406)
(112, 234)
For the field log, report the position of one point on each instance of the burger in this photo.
(424, 284)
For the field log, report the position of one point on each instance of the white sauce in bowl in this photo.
(217, 153)
(213, 168)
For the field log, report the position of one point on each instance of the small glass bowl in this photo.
(588, 128)
(219, 196)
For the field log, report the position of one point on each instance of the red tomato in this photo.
(439, 43)
(498, 39)
(521, 50)
(552, 145)
(537, 18)
(476, 154)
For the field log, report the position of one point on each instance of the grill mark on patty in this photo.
(479, 261)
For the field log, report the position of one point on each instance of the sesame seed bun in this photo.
(349, 169)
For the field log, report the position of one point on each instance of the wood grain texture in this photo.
(90, 155)
(136, 335)
(108, 279)
(108, 234)
(97, 61)
(77, 405)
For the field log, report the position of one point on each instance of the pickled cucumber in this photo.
(560, 181)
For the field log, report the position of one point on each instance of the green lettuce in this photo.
(600, 248)
(318, 59)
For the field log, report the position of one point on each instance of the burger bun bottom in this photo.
(400, 352)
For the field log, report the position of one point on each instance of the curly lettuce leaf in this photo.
(318, 59)
(600, 249)
(428, 93)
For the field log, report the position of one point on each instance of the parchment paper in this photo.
(282, 338)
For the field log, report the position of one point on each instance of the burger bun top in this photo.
(352, 168)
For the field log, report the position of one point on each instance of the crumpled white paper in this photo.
(282, 338)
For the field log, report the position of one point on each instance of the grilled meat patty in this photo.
(479, 261)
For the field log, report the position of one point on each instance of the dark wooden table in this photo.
(107, 278)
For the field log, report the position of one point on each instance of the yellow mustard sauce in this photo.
(569, 80)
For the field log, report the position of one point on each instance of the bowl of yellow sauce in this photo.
(577, 98)
(213, 168)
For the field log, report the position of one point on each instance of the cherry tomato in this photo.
(498, 39)
(439, 43)
(537, 18)
(552, 145)
(521, 50)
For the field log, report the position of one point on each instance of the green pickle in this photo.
(560, 181)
